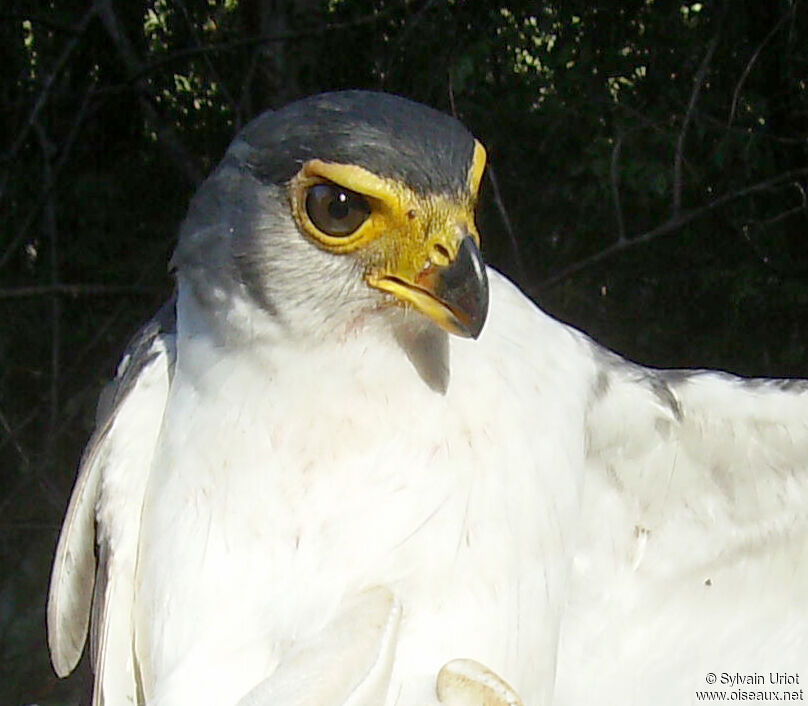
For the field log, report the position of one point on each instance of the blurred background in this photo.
(649, 169)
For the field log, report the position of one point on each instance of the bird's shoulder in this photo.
(673, 448)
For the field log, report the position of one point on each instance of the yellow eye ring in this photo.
(339, 206)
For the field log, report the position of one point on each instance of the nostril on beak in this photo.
(439, 255)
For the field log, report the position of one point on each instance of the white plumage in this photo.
(287, 519)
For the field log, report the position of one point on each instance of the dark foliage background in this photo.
(649, 167)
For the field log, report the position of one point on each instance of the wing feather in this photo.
(703, 447)
(693, 534)
(73, 572)
(104, 510)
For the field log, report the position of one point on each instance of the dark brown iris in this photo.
(336, 211)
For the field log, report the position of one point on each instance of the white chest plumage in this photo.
(551, 503)
(260, 517)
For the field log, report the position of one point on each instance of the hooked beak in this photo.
(453, 295)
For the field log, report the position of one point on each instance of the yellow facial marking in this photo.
(404, 229)
(403, 236)
(477, 168)
(384, 196)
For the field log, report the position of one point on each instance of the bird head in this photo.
(338, 206)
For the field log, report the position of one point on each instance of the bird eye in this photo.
(335, 210)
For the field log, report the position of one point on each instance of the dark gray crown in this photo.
(388, 135)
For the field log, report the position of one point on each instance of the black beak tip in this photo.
(466, 289)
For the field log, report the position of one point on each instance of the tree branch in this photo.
(12, 437)
(737, 92)
(44, 195)
(672, 224)
(42, 98)
(615, 179)
(258, 40)
(167, 136)
(74, 290)
(47, 22)
(192, 30)
(698, 82)
(506, 221)
(51, 232)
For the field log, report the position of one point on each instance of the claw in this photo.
(464, 682)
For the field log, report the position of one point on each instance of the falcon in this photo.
(349, 465)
